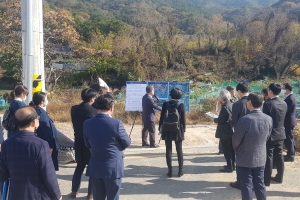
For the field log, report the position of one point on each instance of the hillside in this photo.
(233, 3)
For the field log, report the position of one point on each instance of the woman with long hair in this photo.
(173, 135)
(19, 94)
(46, 129)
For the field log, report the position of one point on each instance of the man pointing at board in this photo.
(148, 117)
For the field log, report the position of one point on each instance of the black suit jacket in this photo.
(276, 109)
(148, 108)
(79, 114)
(239, 109)
(290, 117)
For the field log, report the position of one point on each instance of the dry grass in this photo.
(297, 136)
(60, 104)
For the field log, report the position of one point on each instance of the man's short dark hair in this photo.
(229, 88)
(175, 93)
(242, 87)
(149, 88)
(256, 99)
(265, 91)
(288, 86)
(275, 88)
(97, 87)
(25, 116)
(105, 102)
(87, 94)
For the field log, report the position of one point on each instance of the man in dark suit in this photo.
(249, 142)
(106, 138)
(231, 90)
(148, 117)
(276, 109)
(239, 109)
(26, 160)
(79, 114)
(289, 121)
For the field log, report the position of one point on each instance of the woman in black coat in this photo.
(46, 130)
(178, 135)
(225, 132)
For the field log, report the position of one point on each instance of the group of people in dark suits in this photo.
(258, 134)
(100, 141)
(29, 157)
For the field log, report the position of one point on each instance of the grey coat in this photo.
(250, 138)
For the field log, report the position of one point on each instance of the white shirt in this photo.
(275, 97)
(288, 95)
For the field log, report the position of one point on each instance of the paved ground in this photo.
(145, 177)
(145, 171)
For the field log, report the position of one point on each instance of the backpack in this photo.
(171, 120)
(8, 121)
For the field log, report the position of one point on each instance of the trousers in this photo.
(247, 176)
(229, 153)
(274, 151)
(289, 142)
(148, 127)
(178, 144)
(76, 180)
(106, 188)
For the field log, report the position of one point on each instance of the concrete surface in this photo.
(145, 177)
(145, 171)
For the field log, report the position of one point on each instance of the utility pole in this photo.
(33, 75)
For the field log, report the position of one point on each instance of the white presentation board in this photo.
(136, 90)
(134, 93)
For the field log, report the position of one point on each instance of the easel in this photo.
(136, 113)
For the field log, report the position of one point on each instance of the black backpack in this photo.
(8, 121)
(171, 120)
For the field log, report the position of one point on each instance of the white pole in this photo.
(23, 17)
(41, 29)
(29, 48)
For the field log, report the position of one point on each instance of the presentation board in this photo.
(136, 90)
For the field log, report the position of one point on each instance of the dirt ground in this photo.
(195, 134)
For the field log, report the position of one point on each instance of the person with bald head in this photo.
(26, 161)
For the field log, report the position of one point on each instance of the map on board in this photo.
(136, 90)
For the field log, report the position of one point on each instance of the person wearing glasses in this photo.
(26, 161)
(46, 130)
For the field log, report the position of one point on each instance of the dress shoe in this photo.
(226, 170)
(89, 197)
(233, 167)
(145, 145)
(169, 174)
(288, 159)
(235, 185)
(275, 179)
(220, 152)
(154, 146)
(73, 195)
(180, 173)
